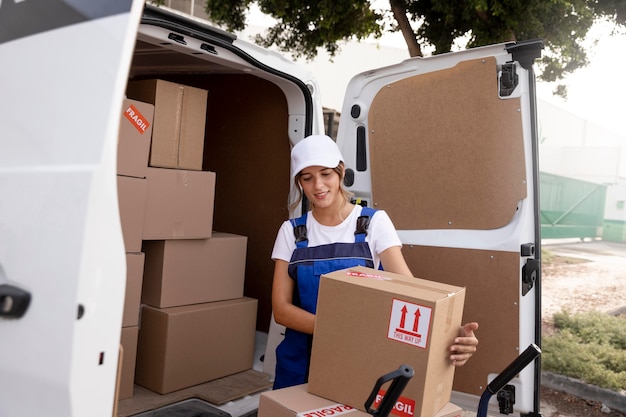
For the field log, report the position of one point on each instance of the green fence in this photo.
(614, 230)
(570, 208)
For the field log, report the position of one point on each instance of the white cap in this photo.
(315, 150)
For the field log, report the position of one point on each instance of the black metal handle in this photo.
(13, 302)
(514, 368)
(400, 378)
(503, 378)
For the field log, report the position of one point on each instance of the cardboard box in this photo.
(297, 402)
(188, 345)
(179, 122)
(370, 322)
(179, 204)
(193, 271)
(132, 193)
(128, 341)
(134, 280)
(133, 145)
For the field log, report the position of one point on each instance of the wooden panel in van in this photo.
(492, 283)
(247, 146)
(446, 152)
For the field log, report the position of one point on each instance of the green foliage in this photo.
(590, 347)
(562, 24)
(303, 26)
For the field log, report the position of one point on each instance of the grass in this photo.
(588, 346)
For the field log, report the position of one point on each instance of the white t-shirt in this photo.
(381, 234)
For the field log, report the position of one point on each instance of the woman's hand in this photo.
(464, 345)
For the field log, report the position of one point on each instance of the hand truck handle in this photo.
(503, 378)
(399, 378)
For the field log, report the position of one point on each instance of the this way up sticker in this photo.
(409, 323)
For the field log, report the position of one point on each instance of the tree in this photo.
(304, 26)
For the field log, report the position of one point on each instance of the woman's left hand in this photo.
(464, 345)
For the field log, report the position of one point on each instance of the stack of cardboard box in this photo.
(132, 162)
(369, 323)
(195, 323)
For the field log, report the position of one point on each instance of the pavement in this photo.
(592, 249)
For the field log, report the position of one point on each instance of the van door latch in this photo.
(529, 274)
(508, 79)
(13, 302)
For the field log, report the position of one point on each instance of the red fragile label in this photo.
(136, 118)
(332, 410)
(365, 275)
(404, 407)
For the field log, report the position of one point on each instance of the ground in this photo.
(579, 276)
(560, 404)
(583, 276)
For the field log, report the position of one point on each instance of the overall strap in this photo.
(362, 223)
(299, 231)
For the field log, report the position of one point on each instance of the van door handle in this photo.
(13, 302)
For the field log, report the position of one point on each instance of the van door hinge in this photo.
(506, 399)
(508, 79)
(530, 268)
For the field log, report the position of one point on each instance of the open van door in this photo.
(62, 267)
(447, 145)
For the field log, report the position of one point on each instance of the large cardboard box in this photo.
(188, 345)
(134, 280)
(179, 204)
(133, 145)
(370, 322)
(132, 194)
(298, 402)
(179, 122)
(193, 271)
(128, 341)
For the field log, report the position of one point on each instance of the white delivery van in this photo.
(446, 144)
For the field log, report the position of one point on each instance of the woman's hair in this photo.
(339, 169)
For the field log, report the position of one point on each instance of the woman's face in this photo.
(321, 186)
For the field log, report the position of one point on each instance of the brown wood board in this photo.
(492, 283)
(446, 152)
(216, 392)
(247, 146)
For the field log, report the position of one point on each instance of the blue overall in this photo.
(306, 266)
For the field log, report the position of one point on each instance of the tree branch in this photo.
(398, 8)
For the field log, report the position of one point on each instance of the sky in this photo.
(596, 93)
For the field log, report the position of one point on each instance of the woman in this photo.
(335, 234)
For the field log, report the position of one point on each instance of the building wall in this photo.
(573, 147)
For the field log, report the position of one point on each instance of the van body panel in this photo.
(60, 235)
(445, 144)
(447, 147)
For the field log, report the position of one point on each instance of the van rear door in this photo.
(62, 266)
(447, 146)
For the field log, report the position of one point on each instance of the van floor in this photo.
(232, 396)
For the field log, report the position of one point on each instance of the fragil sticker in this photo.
(409, 323)
(331, 410)
(137, 119)
(404, 407)
(364, 275)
